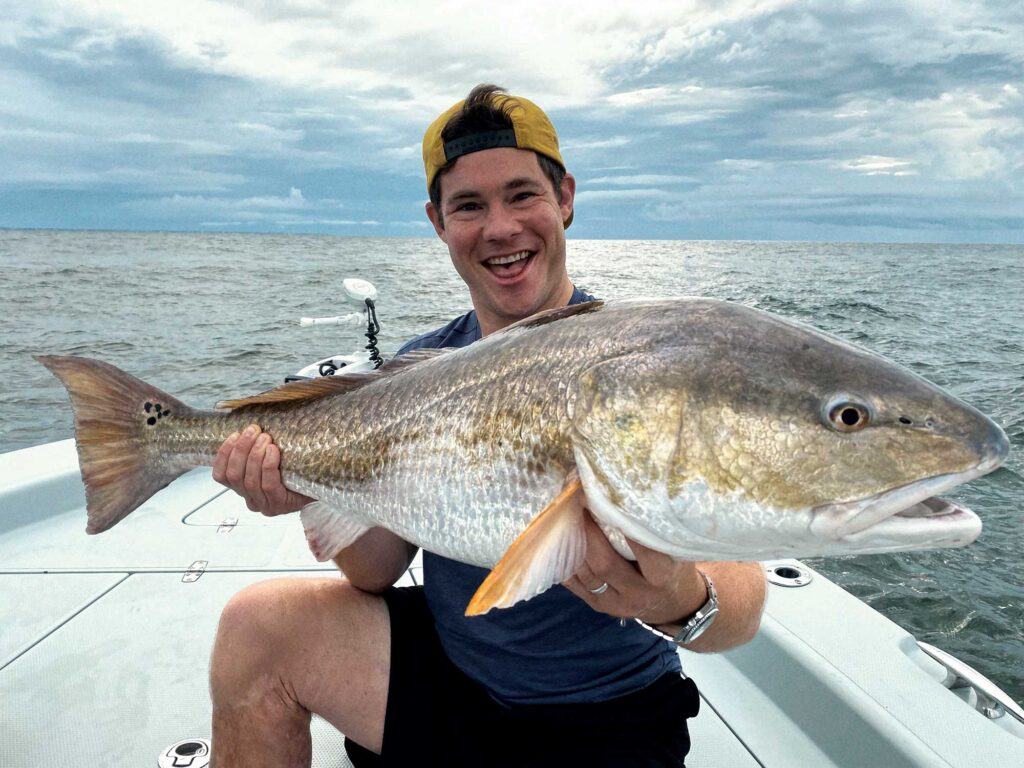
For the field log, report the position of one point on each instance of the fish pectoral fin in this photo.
(549, 551)
(329, 530)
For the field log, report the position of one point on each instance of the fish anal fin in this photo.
(324, 386)
(328, 530)
(549, 551)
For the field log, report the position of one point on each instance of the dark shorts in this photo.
(436, 715)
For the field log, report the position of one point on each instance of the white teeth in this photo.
(509, 259)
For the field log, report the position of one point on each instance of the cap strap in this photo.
(475, 142)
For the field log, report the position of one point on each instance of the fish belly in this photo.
(468, 508)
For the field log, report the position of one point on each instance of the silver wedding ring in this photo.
(600, 590)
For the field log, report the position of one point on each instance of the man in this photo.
(561, 679)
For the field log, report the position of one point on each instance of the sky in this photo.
(768, 120)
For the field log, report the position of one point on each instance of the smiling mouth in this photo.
(511, 265)
(510, 259)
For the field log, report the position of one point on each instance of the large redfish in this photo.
(700, 428)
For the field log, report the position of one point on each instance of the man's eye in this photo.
(467, 207)
(524, 196)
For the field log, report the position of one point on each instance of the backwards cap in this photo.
(531, 129)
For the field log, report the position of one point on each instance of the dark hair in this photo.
(480, 113)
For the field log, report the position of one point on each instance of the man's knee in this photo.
(255, 614)
(257, 632)
(245, 637)
(266, 622)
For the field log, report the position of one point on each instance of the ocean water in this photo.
(205, 316)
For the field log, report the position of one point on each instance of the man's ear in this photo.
(568, 190)
(435, 218)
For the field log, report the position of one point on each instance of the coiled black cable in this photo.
(372, 328)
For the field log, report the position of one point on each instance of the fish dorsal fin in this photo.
(549, 551)
(296, 391)
(313, 389)
(559, 313)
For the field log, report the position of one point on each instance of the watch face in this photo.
(702, 619)
(700, 624)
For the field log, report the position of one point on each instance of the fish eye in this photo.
(848, 415)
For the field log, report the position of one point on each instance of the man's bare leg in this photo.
(289, 647)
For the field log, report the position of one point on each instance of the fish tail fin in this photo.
(113, 411)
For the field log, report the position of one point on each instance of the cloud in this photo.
(588, 144)
(874, 165)
(292, 210)
(201, 114)
(619, 194)
(655, 95)
(289, 222)
(648, 178)
(293, 200)
(964, 133)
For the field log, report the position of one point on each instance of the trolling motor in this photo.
(362, 292)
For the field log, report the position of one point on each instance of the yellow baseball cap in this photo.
(531, 129)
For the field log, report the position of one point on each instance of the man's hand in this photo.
(656, 589)
(659, 590)
(250, 464)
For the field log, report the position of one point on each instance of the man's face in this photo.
(503, 225)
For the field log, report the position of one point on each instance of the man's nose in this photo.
(501, 223)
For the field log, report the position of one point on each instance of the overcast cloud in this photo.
(749, 120)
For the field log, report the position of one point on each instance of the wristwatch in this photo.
(696, 625)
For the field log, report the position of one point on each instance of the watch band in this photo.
(695, 625)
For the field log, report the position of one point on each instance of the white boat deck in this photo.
(105, 641)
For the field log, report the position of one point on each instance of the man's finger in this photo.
(280, 498)
(277, 494)
(272, 484)
(654, 565)
(609, 601)
(586, 577)
(239, 457)
(608, 565)
(220, 461)
(254, 493)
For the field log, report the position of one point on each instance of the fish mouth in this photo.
(932, 523)
(898, 517)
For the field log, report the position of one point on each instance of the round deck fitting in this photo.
(189, 753)
(788, 574)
